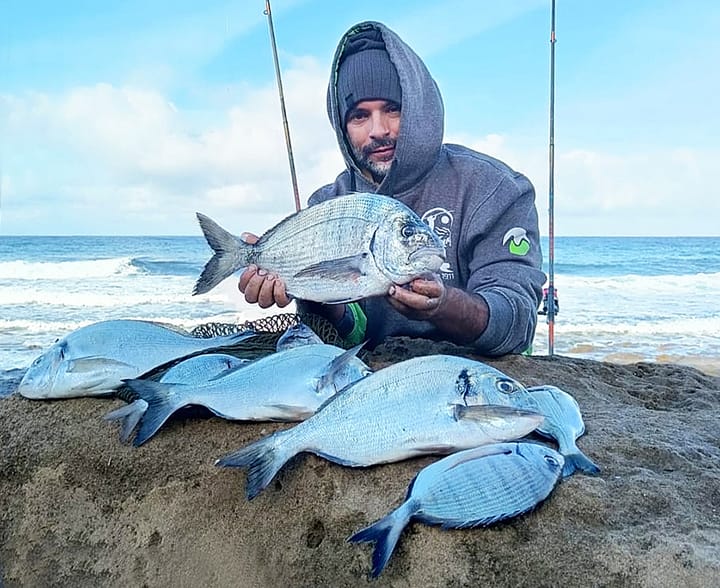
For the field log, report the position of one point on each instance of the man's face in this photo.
(372, 129)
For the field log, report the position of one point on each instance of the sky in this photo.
(125, 118)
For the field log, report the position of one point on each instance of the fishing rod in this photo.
(286, 127)
(551, 196)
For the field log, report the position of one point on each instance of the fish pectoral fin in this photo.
(489, 412)
(290, 412)
(94, 364)
(436, 449)
(344, 268)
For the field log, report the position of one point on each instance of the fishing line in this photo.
(286, 127)
(551, 196)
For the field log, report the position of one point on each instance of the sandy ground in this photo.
(78, 508)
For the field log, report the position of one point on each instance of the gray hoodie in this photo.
(483, 210)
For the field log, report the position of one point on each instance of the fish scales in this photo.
(479, 492)
(347, 233)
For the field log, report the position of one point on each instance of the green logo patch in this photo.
(517, 241)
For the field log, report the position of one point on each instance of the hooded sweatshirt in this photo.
(482, 210)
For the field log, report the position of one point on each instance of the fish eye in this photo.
(407, 231)
(506, 386)
(552, 461)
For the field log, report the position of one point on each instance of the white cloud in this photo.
(123, 159)
(111, 153)
(659, 192)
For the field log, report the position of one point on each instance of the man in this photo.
(387, 113)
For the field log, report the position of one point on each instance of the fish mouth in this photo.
(32, 390)
(428, 253)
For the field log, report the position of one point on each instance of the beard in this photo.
(378, 169)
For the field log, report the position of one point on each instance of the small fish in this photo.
(288, 385)
(471, 488)
(298, 335)
(563, 423)
(201, 369)
(340, 250)
(426, 405)
(193, 371)
(94, 359)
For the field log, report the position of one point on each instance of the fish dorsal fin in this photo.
(337, 364)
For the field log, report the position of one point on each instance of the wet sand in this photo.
(79, 508)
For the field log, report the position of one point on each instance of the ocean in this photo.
(620, 299)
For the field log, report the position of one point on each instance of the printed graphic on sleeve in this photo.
(440, 220)
(517, 241)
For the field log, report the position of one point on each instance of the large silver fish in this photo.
(94, 359)
(471, 488)
(563, 423)
(195, 370)
(288, 385)
(424, 405)
(340, 250)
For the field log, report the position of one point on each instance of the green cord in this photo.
(357, 335)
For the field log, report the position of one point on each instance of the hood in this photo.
(421, 118)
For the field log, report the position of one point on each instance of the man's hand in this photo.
(421, 299)
(460, 315)
(260, 286)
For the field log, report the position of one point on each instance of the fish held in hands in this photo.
(340, 250)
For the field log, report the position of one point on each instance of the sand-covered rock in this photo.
(79, 508)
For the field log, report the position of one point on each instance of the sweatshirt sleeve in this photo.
(502, 244)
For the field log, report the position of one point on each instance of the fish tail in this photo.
(579, 461)
(160, 405)
(129, 415)
(228, 249)
(262, 460)
(385, 533)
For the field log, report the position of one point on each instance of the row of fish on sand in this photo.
(338, 251)
(345, 413)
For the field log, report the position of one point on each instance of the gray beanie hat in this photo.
(366, 73)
